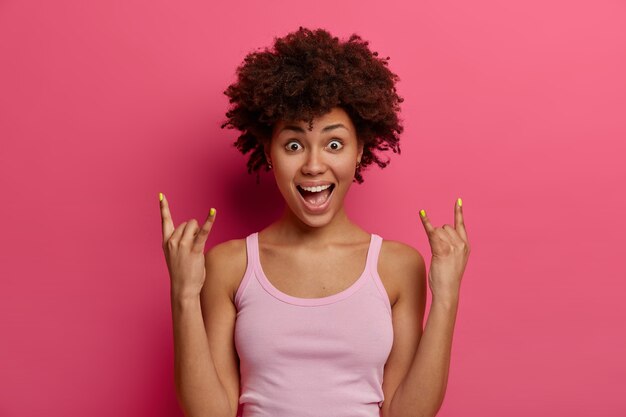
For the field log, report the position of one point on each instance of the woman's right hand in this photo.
(184, 252)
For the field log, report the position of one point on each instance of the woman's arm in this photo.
(423, 389)
(198, 388)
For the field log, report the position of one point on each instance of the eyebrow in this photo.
(301, 130)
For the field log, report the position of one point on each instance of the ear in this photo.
(360, 154)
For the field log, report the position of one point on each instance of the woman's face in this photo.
(328, 154)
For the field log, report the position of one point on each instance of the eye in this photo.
(290, 147)
(337, 141)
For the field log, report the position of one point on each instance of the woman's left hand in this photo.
(450, 250)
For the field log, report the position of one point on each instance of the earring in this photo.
(358, 163)
(269, 164)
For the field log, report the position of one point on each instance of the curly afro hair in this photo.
(304, 76)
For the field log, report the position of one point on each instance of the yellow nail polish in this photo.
(422, 213)
(459, 202)
(160, 196)
(212, 212)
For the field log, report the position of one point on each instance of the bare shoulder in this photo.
(400, 266)
(228, 261)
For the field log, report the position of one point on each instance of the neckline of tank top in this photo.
(307, 302)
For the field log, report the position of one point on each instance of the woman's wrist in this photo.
(448, 301)
(184, 295)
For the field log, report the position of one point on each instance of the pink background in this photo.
(517, 107)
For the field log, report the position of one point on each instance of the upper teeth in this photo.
(316, 189)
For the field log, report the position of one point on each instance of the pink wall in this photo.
(517, 107)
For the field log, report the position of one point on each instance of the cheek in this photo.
(284, 179)
(347, 169)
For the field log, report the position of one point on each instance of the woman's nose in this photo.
(313, 164)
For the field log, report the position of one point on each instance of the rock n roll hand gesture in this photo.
(184, 251)
(450, 251)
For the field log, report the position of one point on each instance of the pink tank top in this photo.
(312, 357)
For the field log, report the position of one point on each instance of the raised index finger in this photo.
(167, 224)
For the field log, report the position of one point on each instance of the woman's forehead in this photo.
(335, 118)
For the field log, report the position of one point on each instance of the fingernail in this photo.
(212, 212)
(160, 196)
(422, 213)
(459, 202)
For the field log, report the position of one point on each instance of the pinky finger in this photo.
(203, 232)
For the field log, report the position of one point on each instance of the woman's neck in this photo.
(291, 230)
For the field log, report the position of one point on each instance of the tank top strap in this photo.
(251, 260)
(373, 252)
(372, 266)
(252, 249)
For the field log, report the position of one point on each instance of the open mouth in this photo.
(316, 199)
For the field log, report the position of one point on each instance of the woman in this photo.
(312, 316)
